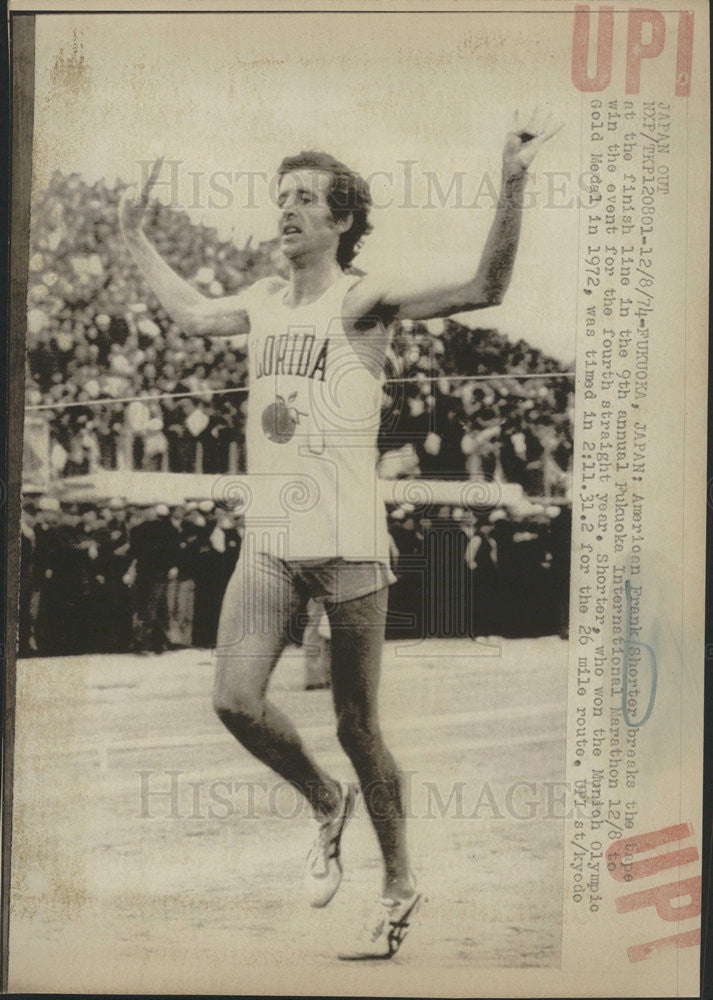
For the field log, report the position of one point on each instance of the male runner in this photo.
(314, 524)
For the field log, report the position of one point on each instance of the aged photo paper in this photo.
(358, 426)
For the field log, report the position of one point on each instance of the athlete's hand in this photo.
(524, 139)
(132, 210)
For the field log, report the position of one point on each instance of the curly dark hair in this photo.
(347, 193)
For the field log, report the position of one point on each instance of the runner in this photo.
(315, 525)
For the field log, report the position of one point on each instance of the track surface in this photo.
(198, 889)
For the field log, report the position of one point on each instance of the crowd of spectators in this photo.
(119, 577)
(96, 332)
(456, 407)
(122, 577)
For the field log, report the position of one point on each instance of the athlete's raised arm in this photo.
(193, 312)
(413, 297)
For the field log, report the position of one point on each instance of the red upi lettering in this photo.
(622, 867)
(641, 23)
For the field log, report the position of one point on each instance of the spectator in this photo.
(155, 551)
(116, 561)
(181, 589)
(209, 577)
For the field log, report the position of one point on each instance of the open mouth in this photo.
(290, 230)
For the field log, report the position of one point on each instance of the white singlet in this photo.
(313, 418)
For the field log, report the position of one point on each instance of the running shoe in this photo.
(324, 866)
(382, 935)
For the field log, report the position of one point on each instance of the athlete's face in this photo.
(306, 222)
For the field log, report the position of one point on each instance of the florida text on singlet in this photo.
(313, 419)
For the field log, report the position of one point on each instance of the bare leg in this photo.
(357, 640)
(257, 608)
